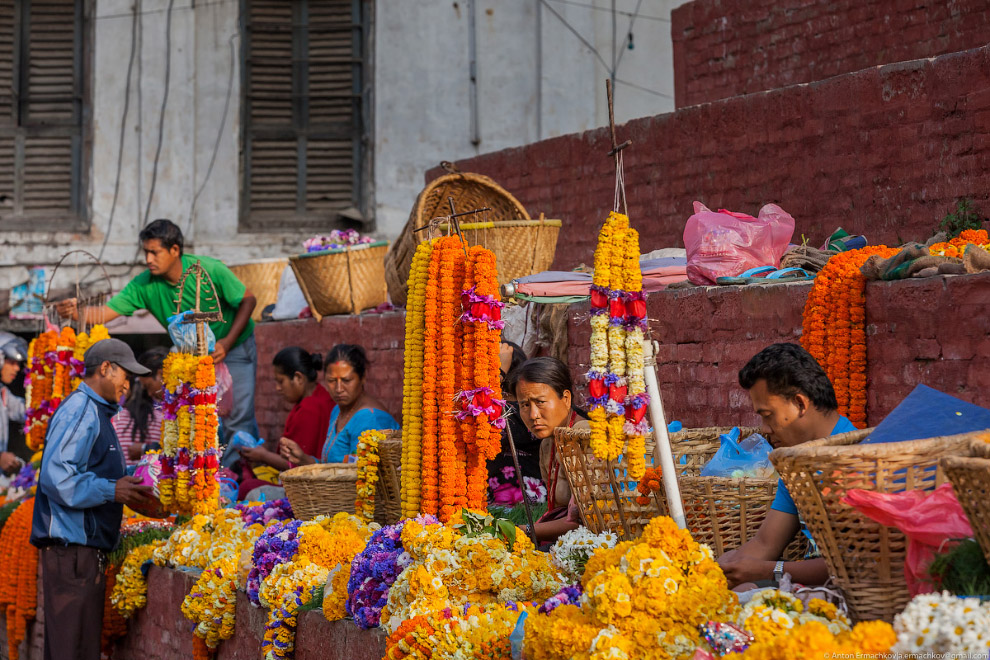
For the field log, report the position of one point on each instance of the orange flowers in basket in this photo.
(834, 327)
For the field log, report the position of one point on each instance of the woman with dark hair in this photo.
(357, 410)
(545, 394)
(296, 373)
(139, 422)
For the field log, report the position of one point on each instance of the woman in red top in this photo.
(296, 373)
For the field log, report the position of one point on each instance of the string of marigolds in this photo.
(452, 399)
(368, 459)
(188, 484)
(616, 386)
(18, 575)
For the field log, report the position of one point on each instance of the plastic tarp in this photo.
(928, 413)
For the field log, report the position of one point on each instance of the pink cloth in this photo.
(654, 279)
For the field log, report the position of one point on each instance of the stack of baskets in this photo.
(721, 512)
(865, 558)
(521, 246)
(262, 278)
(324, 489)
(970, 477)
(344, 280)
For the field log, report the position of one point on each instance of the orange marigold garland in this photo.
(834, 327)
(18, 575)
(412, 394)
(956, 247)
(449, 453)
(430, 502)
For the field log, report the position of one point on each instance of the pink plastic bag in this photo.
(225, 399)
(926, 518)
(724, 244)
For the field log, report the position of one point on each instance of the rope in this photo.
(620, 185)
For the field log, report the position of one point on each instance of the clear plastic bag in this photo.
(183, 335)
(724, 243)
(747, 459)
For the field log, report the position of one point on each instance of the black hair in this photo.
(294, 359)
(352, 354)
(546, 371)
(139, 403)
(518, 357)
(788, 370)
(165, 231)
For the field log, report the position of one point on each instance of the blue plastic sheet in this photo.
(928, 413)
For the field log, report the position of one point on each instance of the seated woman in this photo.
(296, 374)
(502, 481)
(545, 395)
(139, 422)
(357, 410)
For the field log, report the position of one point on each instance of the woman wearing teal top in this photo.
(356, 411)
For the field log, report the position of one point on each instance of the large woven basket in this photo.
(970, 477)
(469, 192)
(262, 278)
(322, 489)
(521, 247)
(343, 281)
(865, 557)
(388, 498)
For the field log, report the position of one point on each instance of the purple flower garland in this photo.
(277, 545)
(266, 512)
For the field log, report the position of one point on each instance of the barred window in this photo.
(303, 151)
(41, 115)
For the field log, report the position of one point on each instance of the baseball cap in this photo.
(115, 352)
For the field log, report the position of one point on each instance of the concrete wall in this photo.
(535, 80)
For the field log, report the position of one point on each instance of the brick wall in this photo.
(933, 331)
(381, 335)
(884, 152)
(724, 49)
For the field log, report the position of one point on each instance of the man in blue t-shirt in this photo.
(796, 401)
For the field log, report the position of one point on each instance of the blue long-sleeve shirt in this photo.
(79, 468)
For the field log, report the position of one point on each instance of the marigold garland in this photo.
(956, 247)
(114, 625)
(412, 395)
(130, 590)
(834, 327)
(430, 502)
(450, 451)
(367, 473)
(18, 575)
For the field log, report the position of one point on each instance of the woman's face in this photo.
(152, 384)
(292, 388)
(504, 357)
(541, 409)
(344, 384)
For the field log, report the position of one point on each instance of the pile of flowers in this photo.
(943, 623)
(642, 599)
(335, 240)
(834, 327)
(616, 386)
(956, 247)
(773, 613)
(452, 406)
(188, 480)
(374, 571)
(813, 641)
(572, 551)
(474, 631)
(265, 513)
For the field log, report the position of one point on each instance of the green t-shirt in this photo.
(158, 296)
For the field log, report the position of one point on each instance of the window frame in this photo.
(359, 135)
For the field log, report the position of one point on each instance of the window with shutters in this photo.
(303, 151)
(41, 115)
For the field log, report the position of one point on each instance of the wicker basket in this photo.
(342, 281)
(388, 498)
(521, 247)
(970, 477)
(321, 489)
(865, 557)
(722, 513)
(469, 191)
(262, 278)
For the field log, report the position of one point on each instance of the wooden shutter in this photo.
(50, 92)
(302, 131)
(7, 117)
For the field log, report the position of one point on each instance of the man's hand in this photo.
(739, 568)
(9, 463)
(130, 491)
(68, 309)
(219, 352)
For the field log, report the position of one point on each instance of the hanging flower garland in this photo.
(430, 502)
(211, 604)
(18, 575)
(412, 392)
(834, 327)
(367, 473)
(451, 451)
(62, 379)
(636, 425)
(130, 591)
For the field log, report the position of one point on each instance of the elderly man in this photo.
(13, 355)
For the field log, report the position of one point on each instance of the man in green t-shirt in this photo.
(157, 290)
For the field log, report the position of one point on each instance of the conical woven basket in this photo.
(521, 247)
(970, 477)
(865, 558)
(262, 278)
(469, 192)
(342, 281)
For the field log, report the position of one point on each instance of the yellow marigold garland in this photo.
(412, 396)
(367, 473)
(212, 603)
(130, 593)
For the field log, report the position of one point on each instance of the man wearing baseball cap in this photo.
(82, 490)
(13, 355)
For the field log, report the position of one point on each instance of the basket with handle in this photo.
(521, 247)
(262, 278)
(970, 477)
(342, 281)
(388, 496)
(321, 489)
(865, 558)
(469, 191)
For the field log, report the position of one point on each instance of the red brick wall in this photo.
(884, 152)
(724, 49)
(381, 335)
(934, 331)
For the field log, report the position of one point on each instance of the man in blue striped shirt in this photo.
(79, 503)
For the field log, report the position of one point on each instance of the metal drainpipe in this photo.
(539, 70)
(473, 58)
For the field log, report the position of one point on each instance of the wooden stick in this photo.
(522, 484)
